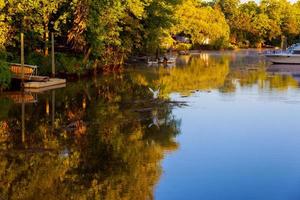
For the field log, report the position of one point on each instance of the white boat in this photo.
(290, 56)
(152, 62)
(162, 60)
(167, 60)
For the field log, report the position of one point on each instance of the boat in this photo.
(183, 52)
(152, 62)
(167, 60)
(289, 56)
(16, 68)
(162, 60)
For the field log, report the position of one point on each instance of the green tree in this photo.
(201, 23)
(4, 26)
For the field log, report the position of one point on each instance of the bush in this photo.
(44, 63)
(183, 47)
(64, 63)
(231, 47)
(5, 75)
(3, 54)
(69, 64)
(220, 43)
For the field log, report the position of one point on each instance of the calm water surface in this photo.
(225, 126)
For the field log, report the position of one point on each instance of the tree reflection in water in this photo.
(97, 145)
(214, 71)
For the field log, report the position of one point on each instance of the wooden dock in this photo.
(28, 74)
(38, 84)
(45, 84)
(33, 82)
(44, 89)
(31, 78)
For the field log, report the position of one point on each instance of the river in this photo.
(225, 126)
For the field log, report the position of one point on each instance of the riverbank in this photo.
(72, 67)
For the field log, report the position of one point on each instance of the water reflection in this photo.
(95, 143)
(223, 71)
(105, 138)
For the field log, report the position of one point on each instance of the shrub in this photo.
(44, 63)
(220, 43)
(183, 47)
(69, 64)
(5, 75)
(64, 63)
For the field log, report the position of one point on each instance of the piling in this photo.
(53, 111)
(23, 120)
(52, 55)
(22, 59)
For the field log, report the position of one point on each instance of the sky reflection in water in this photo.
(238, 145)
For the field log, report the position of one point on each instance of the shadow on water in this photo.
(106, 137)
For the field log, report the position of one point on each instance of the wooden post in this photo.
(283, 42)
(53, 110)
(52, 55)
(22, 59)
(23, 119)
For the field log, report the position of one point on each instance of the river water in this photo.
(225, 126)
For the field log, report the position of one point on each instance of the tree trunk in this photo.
(87, 55)
(46, 39)
(95, 67)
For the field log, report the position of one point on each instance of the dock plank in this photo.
(49, 83)
(44, 89)
(31, 78)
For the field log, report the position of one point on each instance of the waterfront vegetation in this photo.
(93, 35)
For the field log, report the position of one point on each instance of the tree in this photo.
(4, 26)
(201, 23)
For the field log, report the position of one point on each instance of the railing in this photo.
(275, 51)
(16, 68)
